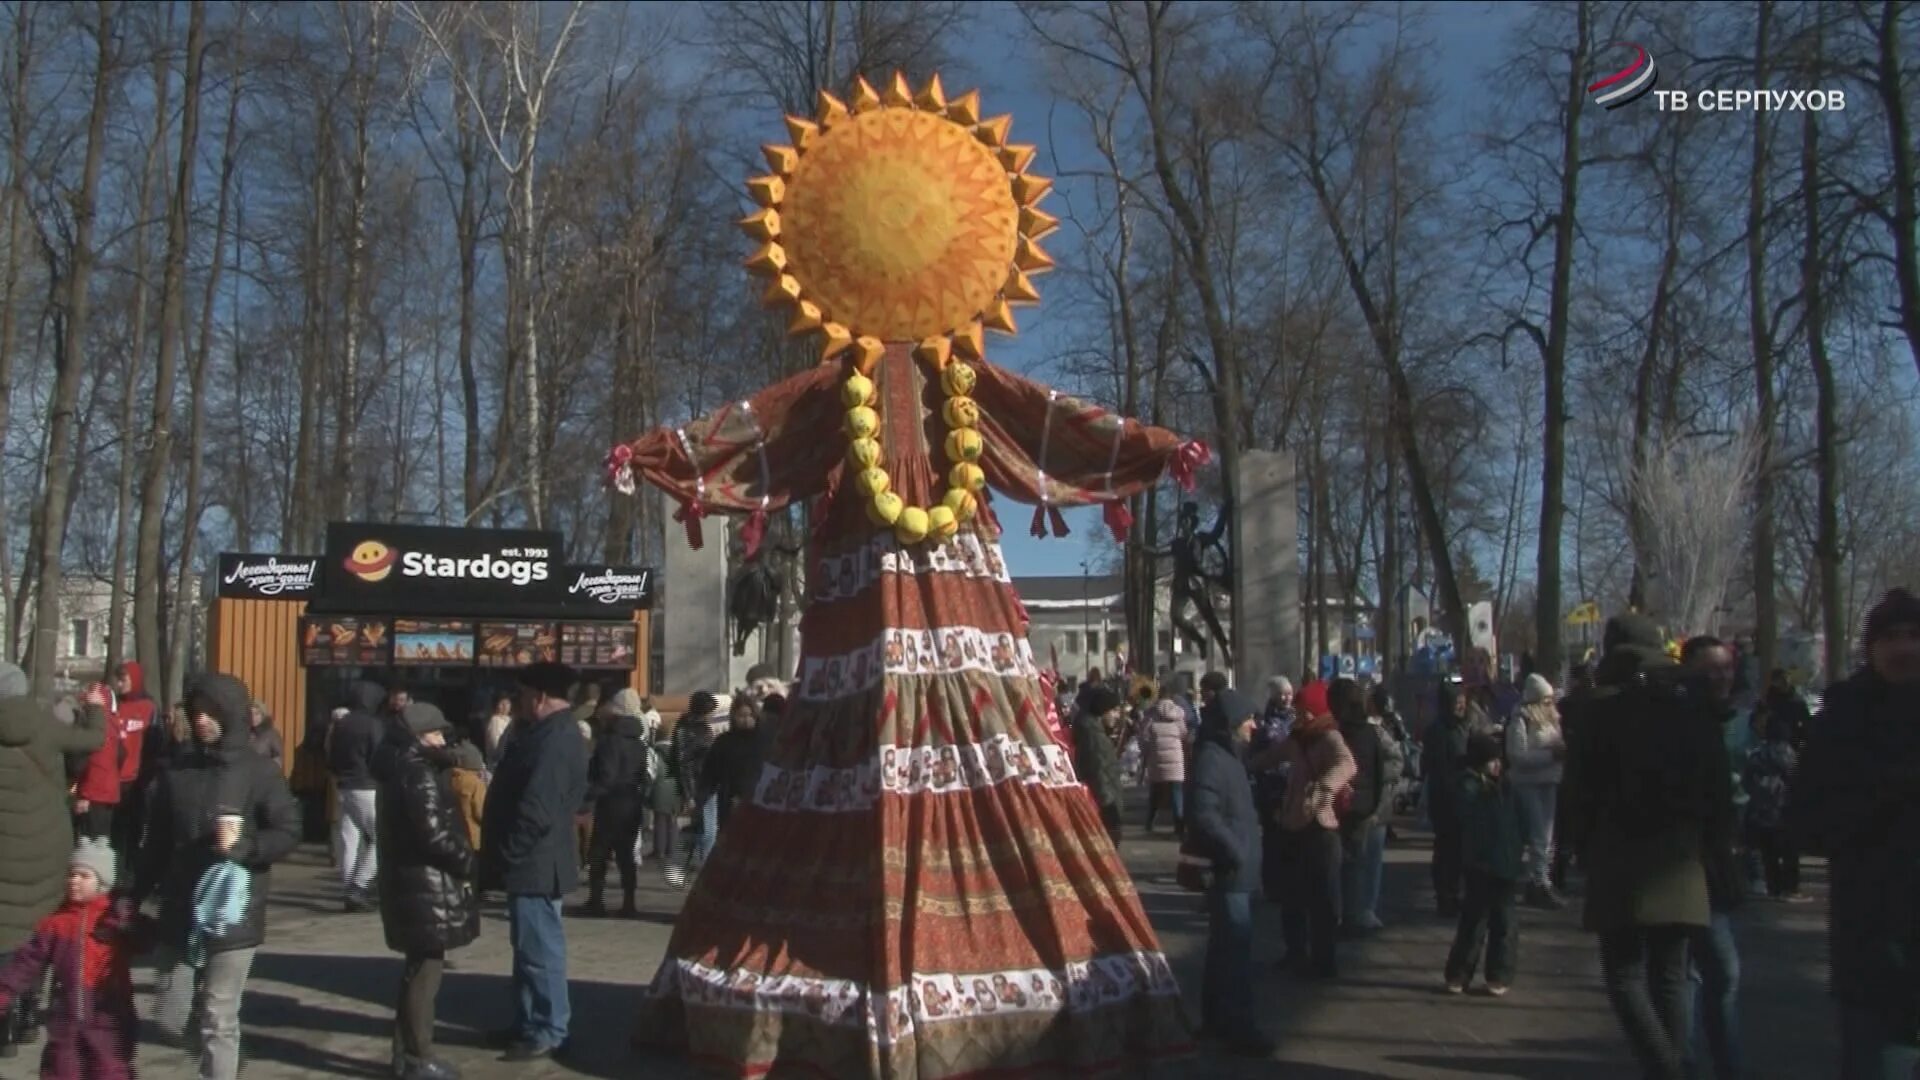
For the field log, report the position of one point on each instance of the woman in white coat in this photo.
(1536, 756)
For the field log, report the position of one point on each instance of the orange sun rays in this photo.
(899, 216)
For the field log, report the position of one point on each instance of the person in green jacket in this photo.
(1492, 838)
(1096, 758)
(36, 826)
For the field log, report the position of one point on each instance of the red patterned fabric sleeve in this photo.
(754, 455)
(1051, 449)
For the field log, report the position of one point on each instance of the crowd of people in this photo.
(1652, 788)
(1653, 784)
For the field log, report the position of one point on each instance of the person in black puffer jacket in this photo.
(217, 776)
(427, 903)
(733, 765)
(616, 791)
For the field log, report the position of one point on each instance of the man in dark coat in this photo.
(427, 902)
(529, 854)
(1651, 796)
(218, 803)
(1096, 759)
(1857, 801)
(1224, 828)
(352, 743)
(1443, 760)
(732, 767)
(36, 832)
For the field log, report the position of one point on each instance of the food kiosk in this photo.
(447, 613)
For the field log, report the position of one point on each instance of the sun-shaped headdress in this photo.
(902, 217)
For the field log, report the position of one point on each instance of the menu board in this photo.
(343, 641)
(598, 645)
(516, 644)
(418, 642)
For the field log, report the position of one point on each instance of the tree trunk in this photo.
(183, 592)
(136, 355)
(302, 531)
(17, 209)
(1765, 616)
(1826, 464)
(66, 387)
(1644, 387)
(148, 566)
(467, 231)
(1905, 221)
(530, 335)
(1549, 656)
(346, 430)
(1388, 635)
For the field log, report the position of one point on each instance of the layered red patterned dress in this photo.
(919, 887)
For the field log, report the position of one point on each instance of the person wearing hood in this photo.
(468, 778)
(218, 804)
(1168, 744)
(1321, 772)
(352, 743)
(529, 854)
(1856, 800)
(1097, 759)
(686, 763)
(1443, 760)
(97, 788)
(144, 748)
(1224, 829)
(1651, 798)
(616, 779)
(1536, 758)
(427, 902)
(36, 831)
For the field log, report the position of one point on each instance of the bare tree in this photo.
(56, 495)
(512, 129)
(1694, 495)
(18, 76)
(149, 568)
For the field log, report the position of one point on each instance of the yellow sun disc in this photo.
(899, 222)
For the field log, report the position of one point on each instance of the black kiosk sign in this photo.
(600, 586)
(424, 568)
(269, 577)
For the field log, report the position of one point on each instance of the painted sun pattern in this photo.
(899, 216)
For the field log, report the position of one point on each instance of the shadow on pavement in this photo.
(471, 1005)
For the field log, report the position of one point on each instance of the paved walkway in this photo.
(320, 1000)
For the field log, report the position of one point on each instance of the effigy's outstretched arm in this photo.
(1052, 450)
(750, 456)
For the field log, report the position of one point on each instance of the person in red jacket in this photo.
(96, 794)
(131, 714)
(87, 943)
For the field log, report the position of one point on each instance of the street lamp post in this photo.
(1086, 571)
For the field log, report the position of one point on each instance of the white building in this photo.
(1082, 620)
(86, 608)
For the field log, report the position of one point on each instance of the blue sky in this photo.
(1468, 36)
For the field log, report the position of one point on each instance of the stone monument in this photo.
(694, 599)
(1266, 613)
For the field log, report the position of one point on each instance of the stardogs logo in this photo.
(1629, 84)
(371, 560)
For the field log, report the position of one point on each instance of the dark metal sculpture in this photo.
(1193, 583)
(754, 599)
